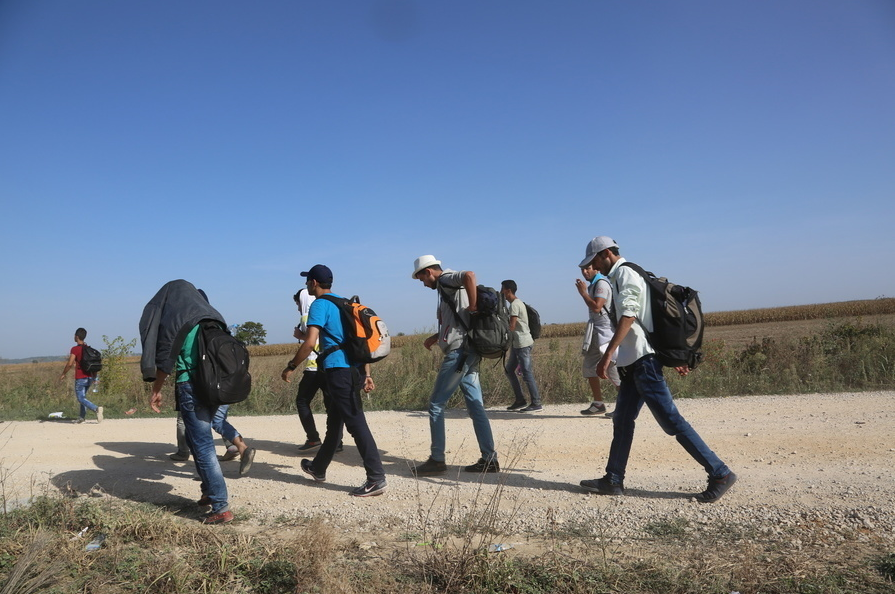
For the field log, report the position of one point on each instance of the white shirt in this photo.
(631, 298)
(522, 334)
(304, 306)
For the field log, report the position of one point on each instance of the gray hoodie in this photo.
(166, 320)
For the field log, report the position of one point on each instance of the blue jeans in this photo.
(459, 368)
(522, 358)
(222, 426)
(81, 387)
(197, 420)
(644, 383)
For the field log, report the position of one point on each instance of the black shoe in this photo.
(717, 488)
(594, 409)
(603, 486)
(308, 467)
(340, 447)
(482, 467)
(369, 489)
(532, 408)
(516, 406)
(429, 468)
(180, 456)
(309, 445)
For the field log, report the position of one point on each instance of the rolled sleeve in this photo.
(631, 294)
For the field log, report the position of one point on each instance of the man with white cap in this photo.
(642, 381)
(459, 368)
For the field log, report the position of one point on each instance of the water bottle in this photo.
(95, 385)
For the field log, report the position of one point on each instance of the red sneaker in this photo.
(218, 518)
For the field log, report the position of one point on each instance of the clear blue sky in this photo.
(744, 148)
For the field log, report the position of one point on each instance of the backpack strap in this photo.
(329, 351)
(645, 276)
(606, 309)
(450, 300)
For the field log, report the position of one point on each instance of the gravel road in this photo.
(821, 460)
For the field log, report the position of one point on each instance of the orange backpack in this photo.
(366, 335)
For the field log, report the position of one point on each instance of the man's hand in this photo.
(287, 375)
(581, 286)
(603, 365)
(683, 370)
(369, 386)
(155, 401)
(430, 341)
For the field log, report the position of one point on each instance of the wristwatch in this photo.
(291, 366)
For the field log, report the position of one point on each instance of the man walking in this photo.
(520, 352)
(642, 381)
(83, 380)
(597, 295)
(459, 368)
(343, 386)
(168, 333)
(311, 381)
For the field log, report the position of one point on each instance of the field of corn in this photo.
(765, 351)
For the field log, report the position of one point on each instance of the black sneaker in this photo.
(309, 445)
(517, 406)
(340, 447)
(370, 489)
(604, 486)
(429, 468)
(482, 467)
(594, 409)
(717, 488)
(532, 408)
(308, 467)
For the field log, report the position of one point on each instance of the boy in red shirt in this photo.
(82, 380)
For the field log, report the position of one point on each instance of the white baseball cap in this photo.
(424, 262)
(594, 247)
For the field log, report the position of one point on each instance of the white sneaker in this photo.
(99, 414)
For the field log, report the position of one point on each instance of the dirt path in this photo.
(799, 458)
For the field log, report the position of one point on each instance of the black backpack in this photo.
(534, 321)
(488, 332)
(91, 360)
(677, 320)
(222, 373)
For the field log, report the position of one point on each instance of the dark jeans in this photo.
(644, 383)
(311, 381)
(345, 409)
